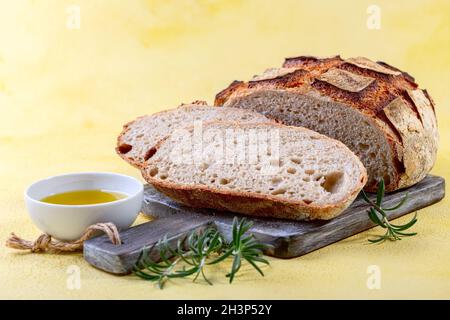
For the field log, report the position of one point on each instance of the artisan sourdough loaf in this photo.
(137, 139)
(263, 169)
(375, 109)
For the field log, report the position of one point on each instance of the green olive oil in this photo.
(83, 197)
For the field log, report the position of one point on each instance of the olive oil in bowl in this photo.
(84, 197)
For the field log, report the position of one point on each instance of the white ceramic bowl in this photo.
(68, 222)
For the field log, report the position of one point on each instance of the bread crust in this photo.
(384, 94)
(252, 203)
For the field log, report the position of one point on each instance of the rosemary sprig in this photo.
(198, 250)
(243, 247)
(378, 216)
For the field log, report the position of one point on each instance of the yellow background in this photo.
(64, 95)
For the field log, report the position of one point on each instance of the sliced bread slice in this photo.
(137, 139)
(264, 169)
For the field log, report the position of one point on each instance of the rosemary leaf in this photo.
(399, 204)
(378, 216)
(380, 192)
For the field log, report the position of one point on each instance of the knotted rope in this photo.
(44, 242)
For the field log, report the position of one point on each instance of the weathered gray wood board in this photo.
(289, 238)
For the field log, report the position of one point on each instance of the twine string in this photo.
(45, 243)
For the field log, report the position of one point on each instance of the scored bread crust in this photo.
(136, 160)
(389, 98)
(252, 203)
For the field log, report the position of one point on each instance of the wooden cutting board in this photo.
(289, 238)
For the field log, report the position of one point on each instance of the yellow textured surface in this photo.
(64, 95)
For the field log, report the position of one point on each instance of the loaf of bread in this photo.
(263, 169)
(135, 142)
(375, 109)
